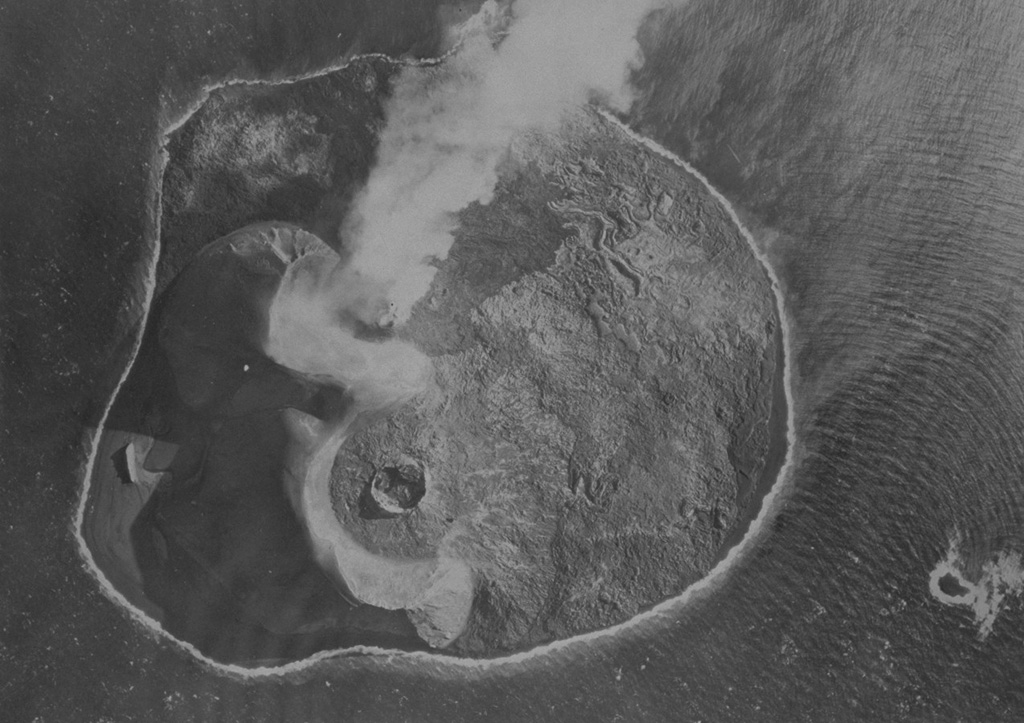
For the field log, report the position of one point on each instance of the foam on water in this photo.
(1001, 577)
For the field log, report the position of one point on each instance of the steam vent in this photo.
(603, 411)
(395, 490)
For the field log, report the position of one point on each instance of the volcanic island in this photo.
(602, 413)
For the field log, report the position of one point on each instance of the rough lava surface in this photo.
(598, 334)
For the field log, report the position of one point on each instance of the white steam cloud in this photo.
(519, 67)
(306, 333)
(448, 128)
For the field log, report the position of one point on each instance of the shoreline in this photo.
(775, 456)
(729, 553)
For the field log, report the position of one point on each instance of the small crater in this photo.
(394, 490)
(952, 587)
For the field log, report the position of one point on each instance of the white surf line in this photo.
(444, 663)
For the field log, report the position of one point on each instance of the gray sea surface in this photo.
(876, 151)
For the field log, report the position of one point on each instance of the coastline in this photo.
(767, 489)
(775, 456)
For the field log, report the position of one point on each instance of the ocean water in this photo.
(876, 151)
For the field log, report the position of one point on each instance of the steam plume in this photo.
(519, 67)
(448, 128)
